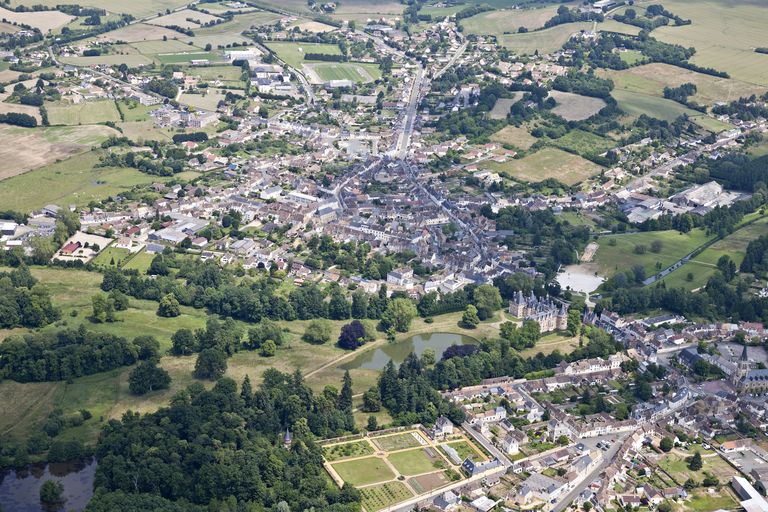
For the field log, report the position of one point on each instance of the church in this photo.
(747, 380)
(550, 315)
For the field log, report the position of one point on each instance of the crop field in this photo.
(583, 143)
(138, 8)
(508, 21)
(545, 41)
(186, 18)
(575, 107)
(231, 31)
(157, 47)
(31, 148)
(414, 462)
(5, 108)
(293, 53)
(394, 442)
(547, 163)
(623, 255)
(635, 104)
(44, 20)
(369, 470)
(650, 79)
(377, 497)
(133, 60)
(724, 33)
(91, 112)
(71, 181)
(138, 32)
(501, 108)
(355, 71)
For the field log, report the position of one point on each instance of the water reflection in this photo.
(397, 352)
(20, 489)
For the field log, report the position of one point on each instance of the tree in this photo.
(666, 444)
(372, 424)
(574, 322)
(146, 377)
(352, 335)
(103, 308)
(268, 349)
(487, 300)
(695, 462)
(428, 357)
(727, 267)
(211, 364)
(50, 492)
(399, 314)
(169, 306)
(470, 319)
(318, 332)
(183, 342)
(372, 400)
(345, 397)
(656, 246)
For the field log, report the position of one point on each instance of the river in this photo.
(398, 351)
(20, 489)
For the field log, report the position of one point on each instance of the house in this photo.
(447, 501)
(542, 488)
(512, 441)
(483, 504)
(443, 427)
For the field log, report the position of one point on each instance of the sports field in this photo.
(575, 107)
(543, 41)
(292, 53)
(368, 470)
(547, 163)
(623, 256)
(184, 58)
(508, 21)
(355, 71)
(650, 79)
(90, 112)
(724, 33)
(150, 48)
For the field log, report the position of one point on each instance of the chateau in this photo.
(550, 315)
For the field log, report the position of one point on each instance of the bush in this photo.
(50, 492)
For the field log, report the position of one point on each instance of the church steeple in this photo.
(744, 358)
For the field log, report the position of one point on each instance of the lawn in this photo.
(631, 57)
(583, 143)
(412, 462)
(549, 343)
(702, 501)
(112, 257)
(347, 450)
(622, 256)
(507, 21)
(208, 101)
(465, 449)
(293, 53)
(378, 497)
(183, 58)
(394, 442)
(514, 136)
(724, 35)
(90, 112)
(369, 470)
(547, 163)
(545, 41)
(651, 79)
(71, 181)
(676, 465)
(140, 262)
(150, 48)
(355, 71)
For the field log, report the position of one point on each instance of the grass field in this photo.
(31, 148)
(622, 256)
(547, 163)
(396, 441)
(674, 463)
(71, 181)
(465, 449)
(545, 41)
(508, 21)
(724, 33)
(583, 143)
(501, 107)
(183, 58)
(551, 342)
(347, 450)
(155, 47)
(514, 136)
(651, 79)
(635, 104)
(208, 101)
(574, 107)
(138, 8)
(91, 112)
(619, 28)
(231, 31)
(185, 18)
(133, 60)
(382, 496)
(369, 470)
(140, 261)
(412, 462)
(138, 32)
(355, 71)
(293, 53)
(112, 257)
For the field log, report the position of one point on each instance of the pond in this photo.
(398, 351)
(20, 489)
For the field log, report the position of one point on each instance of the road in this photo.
(409, 117)
(453, 60)
(485, 443)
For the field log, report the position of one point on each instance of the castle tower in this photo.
(517, 306)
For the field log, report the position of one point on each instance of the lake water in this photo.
(20, 489)
(579, 278)
(398, 351)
